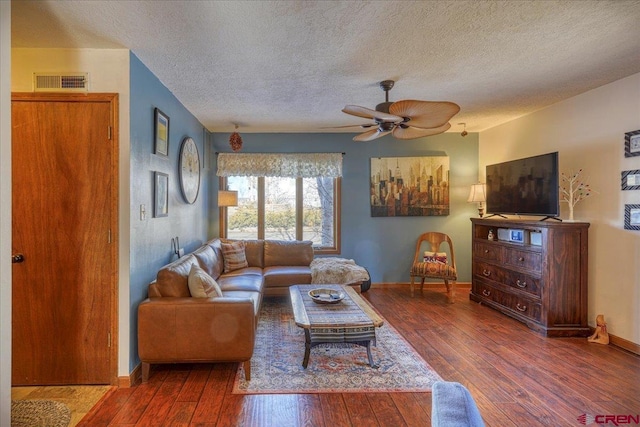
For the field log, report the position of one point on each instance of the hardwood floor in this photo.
(517, 377)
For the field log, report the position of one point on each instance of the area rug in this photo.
(30, 413)
(276, 366)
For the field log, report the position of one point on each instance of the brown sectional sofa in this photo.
(173, 327)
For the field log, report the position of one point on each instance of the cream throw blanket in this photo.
(340, 271)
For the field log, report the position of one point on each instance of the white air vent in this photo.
(51, 82)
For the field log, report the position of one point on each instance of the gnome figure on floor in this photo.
(600, 335)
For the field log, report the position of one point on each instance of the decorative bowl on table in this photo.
(326, 296)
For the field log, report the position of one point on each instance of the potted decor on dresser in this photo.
(574, 189)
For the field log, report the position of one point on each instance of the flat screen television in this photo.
(527, 186)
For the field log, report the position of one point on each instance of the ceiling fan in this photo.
(406, 119)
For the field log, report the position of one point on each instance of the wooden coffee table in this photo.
(351, 320)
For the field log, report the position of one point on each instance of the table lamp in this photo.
(227, 198)
(478, 195)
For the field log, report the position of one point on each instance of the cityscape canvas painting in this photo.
(409, 186)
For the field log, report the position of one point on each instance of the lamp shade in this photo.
(227, 198)
(477, 193)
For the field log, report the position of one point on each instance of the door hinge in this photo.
(109, 340)
(109, 132)
(109, 236)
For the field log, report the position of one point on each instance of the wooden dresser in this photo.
(541, 281)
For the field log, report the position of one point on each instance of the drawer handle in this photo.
(486, 273)
(522, 284)
(521, 307)
(486, 251)
(486, 293)
(521, 259)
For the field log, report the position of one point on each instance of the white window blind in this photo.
(291, 165)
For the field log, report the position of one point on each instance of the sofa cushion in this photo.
(206, 258)
(172, 279)
(201, 285)
(434, 269)
(247, 271)
(256, 300)
(286, 276)
(288, 252)
(234, 256)
(254, 251)
(247, 282)
(218, 265)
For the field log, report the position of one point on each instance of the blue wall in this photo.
(151, 237)
(384, 245)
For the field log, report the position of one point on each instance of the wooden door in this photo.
(64, 226)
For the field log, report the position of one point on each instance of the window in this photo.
(285, 196)
(285, 209)
(242, 220)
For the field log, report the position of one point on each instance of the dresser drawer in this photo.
(488, 271)
(523, 282)
(523, 306)
(488, 251)
(508, 277)
(526, 260)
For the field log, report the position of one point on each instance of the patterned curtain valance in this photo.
(292, 165)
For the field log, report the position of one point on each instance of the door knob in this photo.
(17, 258)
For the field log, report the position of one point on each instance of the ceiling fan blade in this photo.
(425, 114)
(370, 135)
(363, 126)
(368, 113)
(411, 132)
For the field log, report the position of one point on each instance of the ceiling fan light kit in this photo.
(407, 119)
(464, 131)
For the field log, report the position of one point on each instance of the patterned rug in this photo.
(276, 366)
(30, 413)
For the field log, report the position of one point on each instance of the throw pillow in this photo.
(234, 256)
(439, 257)
(201, 285)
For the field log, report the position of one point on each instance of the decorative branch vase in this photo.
(577, 190)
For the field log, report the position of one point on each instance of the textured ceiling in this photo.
(291, 66)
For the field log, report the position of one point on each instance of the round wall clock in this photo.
(189, 170)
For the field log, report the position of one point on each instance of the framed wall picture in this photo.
(161, 133)
(160, 194)
(409, 186)
(632, 217)
(630, 180)
(632, 143)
